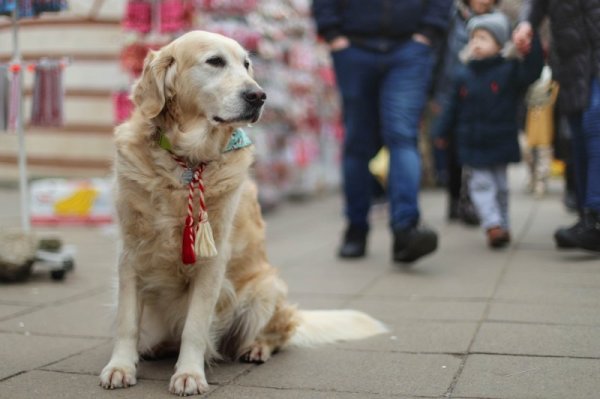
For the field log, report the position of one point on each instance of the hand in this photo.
(339, 43)
(420, 38)
(522, 37)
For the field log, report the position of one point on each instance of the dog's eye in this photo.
(216, 62)
(246, 64)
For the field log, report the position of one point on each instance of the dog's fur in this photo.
(233, 305)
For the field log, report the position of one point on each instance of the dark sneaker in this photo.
(355, 242)
(568, 237)
(413, 243)
(497, 237)
(453, 209)
(468, 213)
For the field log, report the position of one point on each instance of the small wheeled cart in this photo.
(21, 254)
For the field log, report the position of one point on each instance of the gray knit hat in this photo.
(496, 23)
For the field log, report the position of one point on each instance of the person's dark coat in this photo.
(482, 111)
(381, 21)
(575, 26)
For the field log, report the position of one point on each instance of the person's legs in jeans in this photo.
(402, 99)
(585, 129)
(403, 93)
(357, 74)
(591, 133)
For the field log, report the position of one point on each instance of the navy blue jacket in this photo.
(482, 111)
(389, 19)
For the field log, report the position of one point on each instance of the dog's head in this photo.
(201, 75)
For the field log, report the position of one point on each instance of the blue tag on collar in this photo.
(238, 140)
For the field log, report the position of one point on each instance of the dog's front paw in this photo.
(188, 382)
(117, 376)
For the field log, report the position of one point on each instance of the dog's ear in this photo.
(149, 90)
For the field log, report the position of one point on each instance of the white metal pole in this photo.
(25, 221)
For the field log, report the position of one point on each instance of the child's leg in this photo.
(482, 188)
(502, 193)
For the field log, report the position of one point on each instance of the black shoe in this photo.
(453, 209)
(467, 213)
(589, 235)
(413, 243)
(355, 242)
(568, 237)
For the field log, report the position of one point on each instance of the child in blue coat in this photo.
(482, 111)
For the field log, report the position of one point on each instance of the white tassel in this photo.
(205, 243)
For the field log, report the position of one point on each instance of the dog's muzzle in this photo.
(255, 99)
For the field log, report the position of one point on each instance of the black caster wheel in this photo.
(58, 275)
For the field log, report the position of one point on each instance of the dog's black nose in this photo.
(255, 97)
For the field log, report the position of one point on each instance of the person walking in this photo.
(383, 57)
(460, 206)
(482, 112)
(576, 36)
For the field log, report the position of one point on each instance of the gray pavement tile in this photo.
(528, 258)
(510, 312)
(441, 278)
(313, 301)
(420, 336)
(236, 392)
(10, 310)
(518, 377)
(392, 310)
(41, 290)
(92, 361)
(538, 339)
(355, 371)
(54, 385)
(326, 282)
(26, 352)
(89, 317)
(549, 288)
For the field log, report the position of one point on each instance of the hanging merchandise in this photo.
(228, 6)
(175, 16)
(122, 106)
(132, 58)
(4, 96)
(14, 102)
(48, 94)
(138, 16)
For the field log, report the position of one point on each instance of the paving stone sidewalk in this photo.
(465, 323)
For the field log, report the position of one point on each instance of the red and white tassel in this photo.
(197, 240)
(205, 243)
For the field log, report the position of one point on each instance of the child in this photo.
(460, 206)
(482, 112)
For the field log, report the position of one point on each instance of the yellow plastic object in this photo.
(77, 204)
(380, 165)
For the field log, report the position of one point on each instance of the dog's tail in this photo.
(327, 326)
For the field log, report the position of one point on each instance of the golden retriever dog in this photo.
(210, 296)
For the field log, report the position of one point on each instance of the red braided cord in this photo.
(202, 214)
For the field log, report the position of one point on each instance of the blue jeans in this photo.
(586, 150)
(383, 95)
